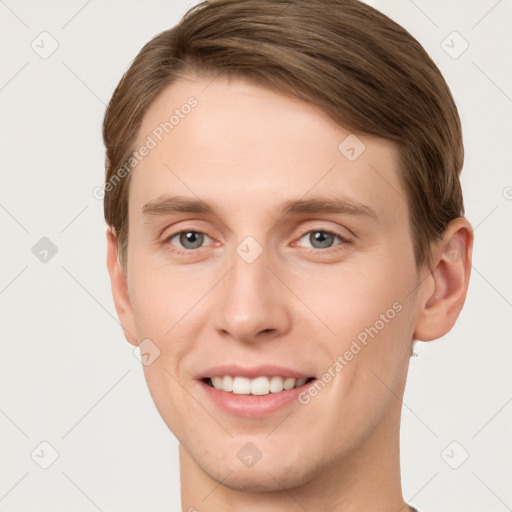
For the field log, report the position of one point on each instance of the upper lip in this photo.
(267, 370)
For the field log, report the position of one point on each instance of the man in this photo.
(285, 219)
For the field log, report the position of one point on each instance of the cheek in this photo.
(159, 297)
(152, 305)
(169, 308)
(369, 311)
(351, 300)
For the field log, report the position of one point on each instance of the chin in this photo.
(263, 477)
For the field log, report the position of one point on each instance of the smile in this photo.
(258, 386)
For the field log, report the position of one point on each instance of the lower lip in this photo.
(252, 406)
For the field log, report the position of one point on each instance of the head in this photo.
(235, 139)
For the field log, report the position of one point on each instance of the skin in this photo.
(247, 150)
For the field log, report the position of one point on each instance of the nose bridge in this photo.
(250, 302)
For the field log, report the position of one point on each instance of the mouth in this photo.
(254, 392)
(258, 386)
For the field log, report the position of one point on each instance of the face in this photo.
(270, 256)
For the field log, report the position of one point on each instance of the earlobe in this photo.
(120, 289)
(450, 280)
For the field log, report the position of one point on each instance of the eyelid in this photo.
(183, 227)
(168, 238)
(343, 239)
(325, 230)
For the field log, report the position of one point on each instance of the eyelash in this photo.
(343, 240)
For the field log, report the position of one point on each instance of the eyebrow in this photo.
(341, 205)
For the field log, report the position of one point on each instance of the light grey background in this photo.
(68, 377)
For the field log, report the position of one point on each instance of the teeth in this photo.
(258, 386)
(227, 383)
(241, 386)
(289, 383)
(218, 382)
(276, 384)
(300, 382)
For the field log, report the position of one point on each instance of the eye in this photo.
(189, 239)
(321, 238)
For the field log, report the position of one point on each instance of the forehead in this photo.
(233, 142)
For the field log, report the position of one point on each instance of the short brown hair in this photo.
(353, 62)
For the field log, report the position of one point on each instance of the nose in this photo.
(252, 302)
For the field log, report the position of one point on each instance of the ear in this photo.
(120, 289)
(444, 291)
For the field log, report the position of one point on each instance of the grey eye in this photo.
(190, 239)
(320, 239)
